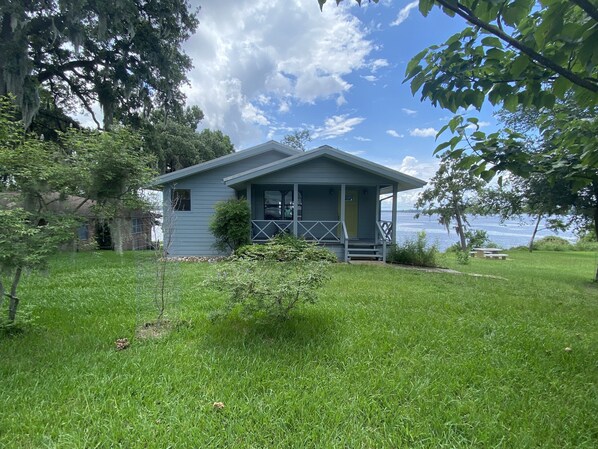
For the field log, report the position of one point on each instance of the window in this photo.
(83, 232)
(181, 199)
(137, 226)
(279, 205)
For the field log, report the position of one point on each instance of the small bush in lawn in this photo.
(231, 224)
(462, 257)
(475, 239)
(553, 243)
(414, 252)
(284, 248)
(266, 290)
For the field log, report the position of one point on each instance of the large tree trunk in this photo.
(461, 231)
(530, 246)
(13, 305)
(117, 232)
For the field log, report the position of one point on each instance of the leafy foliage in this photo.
(298, 139)
(26, 244)
(517, 52)
(267, 290)
(176, 144)
(126, 55)
(231, 224)
(553, 243)
(286, 248)
(415, 252)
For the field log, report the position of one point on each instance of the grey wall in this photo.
(190, 232)
(322, 171)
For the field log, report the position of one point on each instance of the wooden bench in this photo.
(496, 256)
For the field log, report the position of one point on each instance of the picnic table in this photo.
(489, 253)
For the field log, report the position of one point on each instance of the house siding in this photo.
(189, 230)
(323, 170)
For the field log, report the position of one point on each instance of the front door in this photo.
(351, 211)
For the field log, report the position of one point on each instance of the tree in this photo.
(176, 144)
(110, 169)
(450, 194)
(126, 55)
(26, 244)
(297, 139)
(516, 52)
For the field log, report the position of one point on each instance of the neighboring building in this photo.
(324, 195)
(93, 231)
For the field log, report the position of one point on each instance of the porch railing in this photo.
(385, 230)
(319, 231)
(346, 241)
(384, 234)
(263, 230)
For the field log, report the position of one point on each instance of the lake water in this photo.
(506, 235)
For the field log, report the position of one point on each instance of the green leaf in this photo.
(519, 65)
(511, 102)
(491, 41)
(425, 6)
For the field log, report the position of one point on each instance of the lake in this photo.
(506, 235)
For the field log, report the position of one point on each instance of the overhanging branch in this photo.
(468, 15)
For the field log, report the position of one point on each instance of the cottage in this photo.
(324, 195)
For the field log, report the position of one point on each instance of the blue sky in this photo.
(264, 68)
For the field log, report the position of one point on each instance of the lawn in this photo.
(388, 358)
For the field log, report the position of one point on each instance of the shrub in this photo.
(462, 257)
(552, 243)
(284, 248)
(231, 224)
(414, 252)
(265, 289)
(476, 238)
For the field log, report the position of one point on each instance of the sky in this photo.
(266, 68)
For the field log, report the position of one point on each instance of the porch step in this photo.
(364, 251)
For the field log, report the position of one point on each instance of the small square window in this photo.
(137, 225)
(181, 199)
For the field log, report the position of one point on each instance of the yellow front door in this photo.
(351, 212)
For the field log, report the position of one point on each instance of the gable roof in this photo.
(224, 160)
(406, 181)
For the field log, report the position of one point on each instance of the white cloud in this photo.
(408, 111)
(404, 13)
(370, 78)
(356, 153)
(423, 132)
(393, 133)
(336, 126)
(412, 167)
(378, 64)
(247, 52)
(341, 100)
(362, 139)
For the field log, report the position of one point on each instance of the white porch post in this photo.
(250, 212)
(394, 213)
(378, 203)
(343, 191)
(295, 208)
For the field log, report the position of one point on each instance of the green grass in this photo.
(389, 358)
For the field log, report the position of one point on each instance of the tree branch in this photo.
(468, 15)
(590, 9)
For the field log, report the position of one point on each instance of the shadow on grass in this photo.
(306, 328)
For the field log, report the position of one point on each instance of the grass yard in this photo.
(388, 358)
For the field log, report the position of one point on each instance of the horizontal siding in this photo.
(190, 230)
(323, 170)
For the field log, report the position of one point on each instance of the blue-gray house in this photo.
(324, 195)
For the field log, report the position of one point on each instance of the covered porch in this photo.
(344, 217)
(326, 196)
